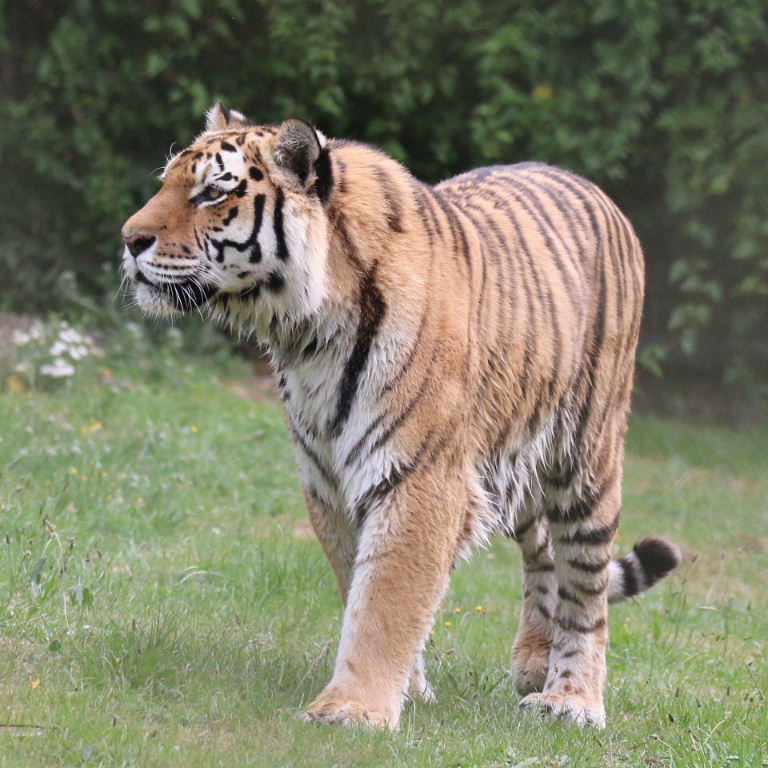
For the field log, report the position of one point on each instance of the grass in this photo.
(163, 604)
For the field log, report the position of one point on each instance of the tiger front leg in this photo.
(406, 548)
(338, 538)
(582, 537)
(530, 655)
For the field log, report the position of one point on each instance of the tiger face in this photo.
(239, 221)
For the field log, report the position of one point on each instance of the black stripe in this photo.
(483, 243)
(315, 459)
(545, 568)
(564, 594)
(589, 567)
(543, 547)
(525, 198)
(388, 484)
(341, 182)
(310, 349)
(581, 508)
(532, 189)
(593, 536)
(429, 208)
(258, 214)
(584, 191)
(464, 244)
(572, 626)
(577, 510)
(405, 367)
(587, 589)
(250, 242)
(227, 147)
(425, 213)
(240, 189)
(593, 355)
(372, 309)
(405, 413)
(357, 447)
(324, 171)
(568, 212)
(630, 586)
(517, 533)
(390, 193)
(282, 246)
(504, 284)
(435, 195)
(540, 286)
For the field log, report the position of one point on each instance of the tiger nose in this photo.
(137, 242)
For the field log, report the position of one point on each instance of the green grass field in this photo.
(163, 603)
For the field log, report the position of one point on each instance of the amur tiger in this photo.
(455, 361)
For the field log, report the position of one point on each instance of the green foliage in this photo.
(661, 103)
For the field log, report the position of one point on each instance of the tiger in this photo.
(455, 361)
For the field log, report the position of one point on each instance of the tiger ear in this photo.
(297, 149)
(221, 118)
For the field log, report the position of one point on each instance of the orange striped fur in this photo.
(455, 361)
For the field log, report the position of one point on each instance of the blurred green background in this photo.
(662, 103)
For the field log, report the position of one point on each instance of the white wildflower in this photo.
(59, 369)
(37, 331)
(71, 336)
(20, 338)
(78, 352)
(134, 329)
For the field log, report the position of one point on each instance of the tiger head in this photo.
(239, 222)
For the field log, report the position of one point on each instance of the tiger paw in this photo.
(419, 687)
(530, 664)
(335, 708)
(423, 692)
(569, 707)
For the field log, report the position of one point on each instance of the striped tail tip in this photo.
(649, 561)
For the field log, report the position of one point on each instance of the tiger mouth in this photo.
(186, 295)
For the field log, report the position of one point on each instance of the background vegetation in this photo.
(662, 103)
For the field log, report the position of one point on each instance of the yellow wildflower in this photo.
(94, 426)
(542, 92)
(16, 384)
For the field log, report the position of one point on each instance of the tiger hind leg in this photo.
(583, 532)
(530, 654)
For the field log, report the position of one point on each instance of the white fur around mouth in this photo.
(154, 302)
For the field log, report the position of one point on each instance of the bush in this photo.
(661, 103)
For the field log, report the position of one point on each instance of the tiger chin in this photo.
(455, 361)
